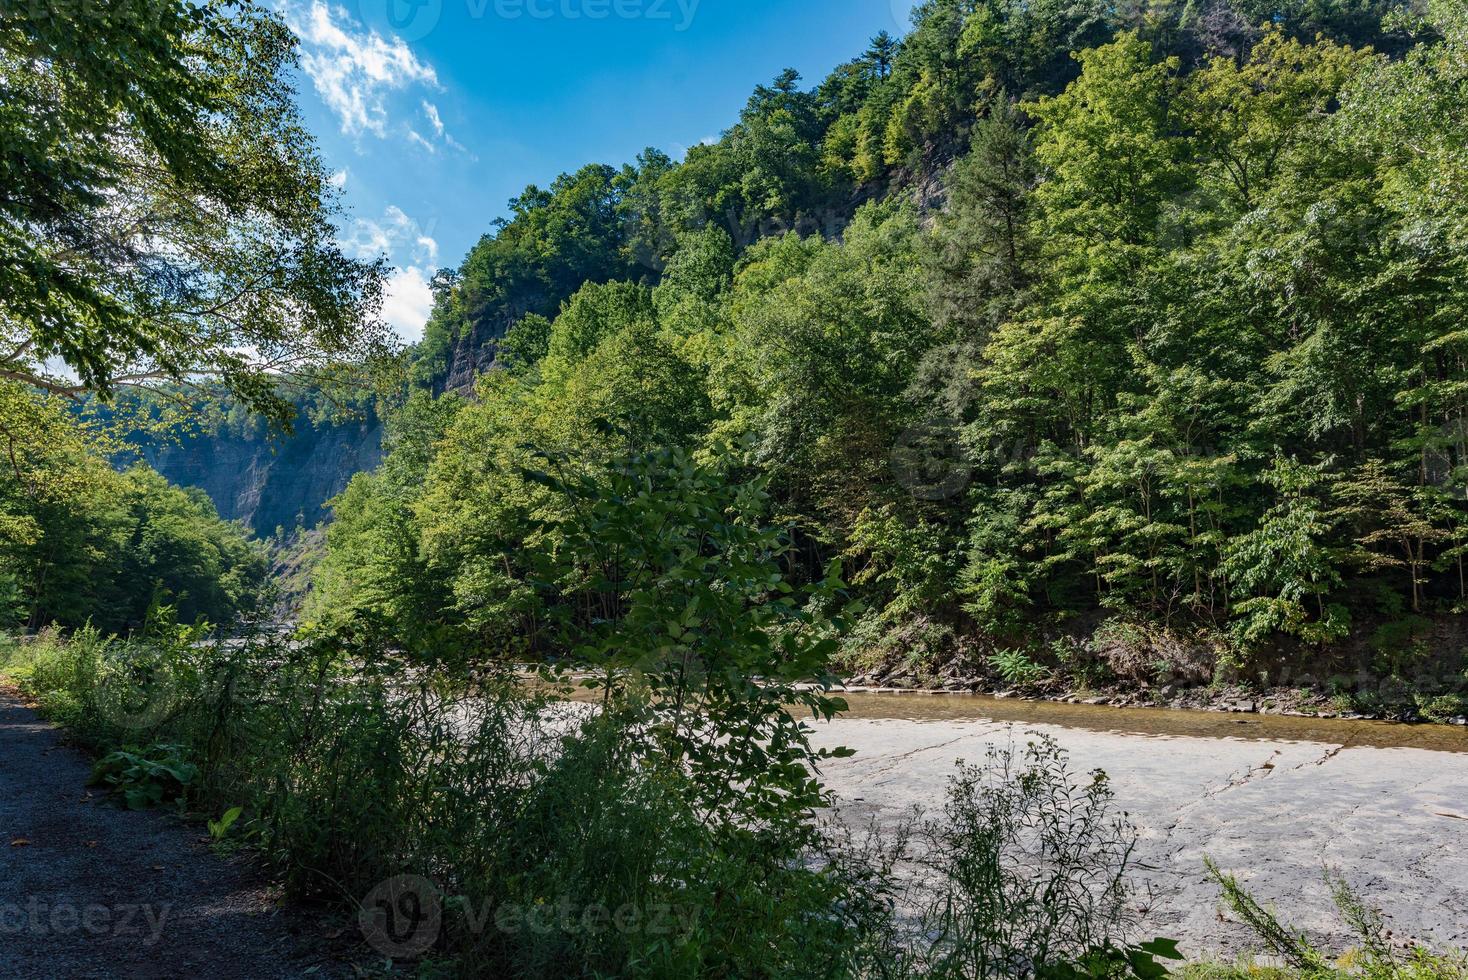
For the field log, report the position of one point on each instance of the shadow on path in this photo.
(88, 889)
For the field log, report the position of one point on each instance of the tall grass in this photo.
(483, 829)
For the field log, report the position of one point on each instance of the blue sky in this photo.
(434, 113)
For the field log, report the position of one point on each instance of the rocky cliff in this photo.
(273, 480)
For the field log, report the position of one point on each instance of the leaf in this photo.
(20, 842)
(1165, 948)
(218, 828)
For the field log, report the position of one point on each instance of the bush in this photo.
(1374, 959)
(1030, 865)
(1017, 667)
(464, 808)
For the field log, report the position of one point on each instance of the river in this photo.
(1273, 799)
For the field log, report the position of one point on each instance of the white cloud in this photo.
(338, 178)
(431, 113)
(407, 298)
(353, 67)
(370, 239)
(407, 303)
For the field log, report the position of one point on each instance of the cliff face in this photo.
(470, 356)
(272, 481)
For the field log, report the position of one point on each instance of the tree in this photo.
(984, 250)
(1111, 152)
(1285, 562)
(664, 576)
(1393, 522)
(881, 53)
(597, 311)
(166, 220)
(80, 542)
(1248, 117)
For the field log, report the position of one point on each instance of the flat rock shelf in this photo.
(1273, 800)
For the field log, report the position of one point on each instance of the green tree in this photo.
(166, 219)
(984, 251)
(1285, 565)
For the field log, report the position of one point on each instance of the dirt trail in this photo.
(88, 889)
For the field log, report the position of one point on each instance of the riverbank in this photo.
(1274, 800)
(1412, 669)
(1231, 699)
(367, 784)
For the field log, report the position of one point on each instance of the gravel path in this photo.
(88, 889)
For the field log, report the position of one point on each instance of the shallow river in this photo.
(1272, 799)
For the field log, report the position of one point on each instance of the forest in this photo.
(1108, 342)
(1056, 346)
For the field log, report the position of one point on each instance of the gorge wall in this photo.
(272, 480)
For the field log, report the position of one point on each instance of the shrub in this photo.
(1028, 870)
(1016, 667)
(1374, 959)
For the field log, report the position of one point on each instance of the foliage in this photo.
(81, 542)
(1033, 869)
(145, 777)
(167, 219)
(1156, 322)
(1016, 667)
(1376, 958)
(344, 768)
(667, 582)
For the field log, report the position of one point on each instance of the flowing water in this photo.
(1273, 799)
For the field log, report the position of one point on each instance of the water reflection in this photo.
(1163, 722)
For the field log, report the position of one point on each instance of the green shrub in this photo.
(146, 777)
(1018, 668)
(1028, 873)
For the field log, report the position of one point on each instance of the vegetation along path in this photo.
(88, 889)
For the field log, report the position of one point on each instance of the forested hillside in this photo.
(1100, 349)
(167, 239)
(1141, 322)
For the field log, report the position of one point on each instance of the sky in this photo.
(433, 114)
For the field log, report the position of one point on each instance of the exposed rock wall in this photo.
(274, 481)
